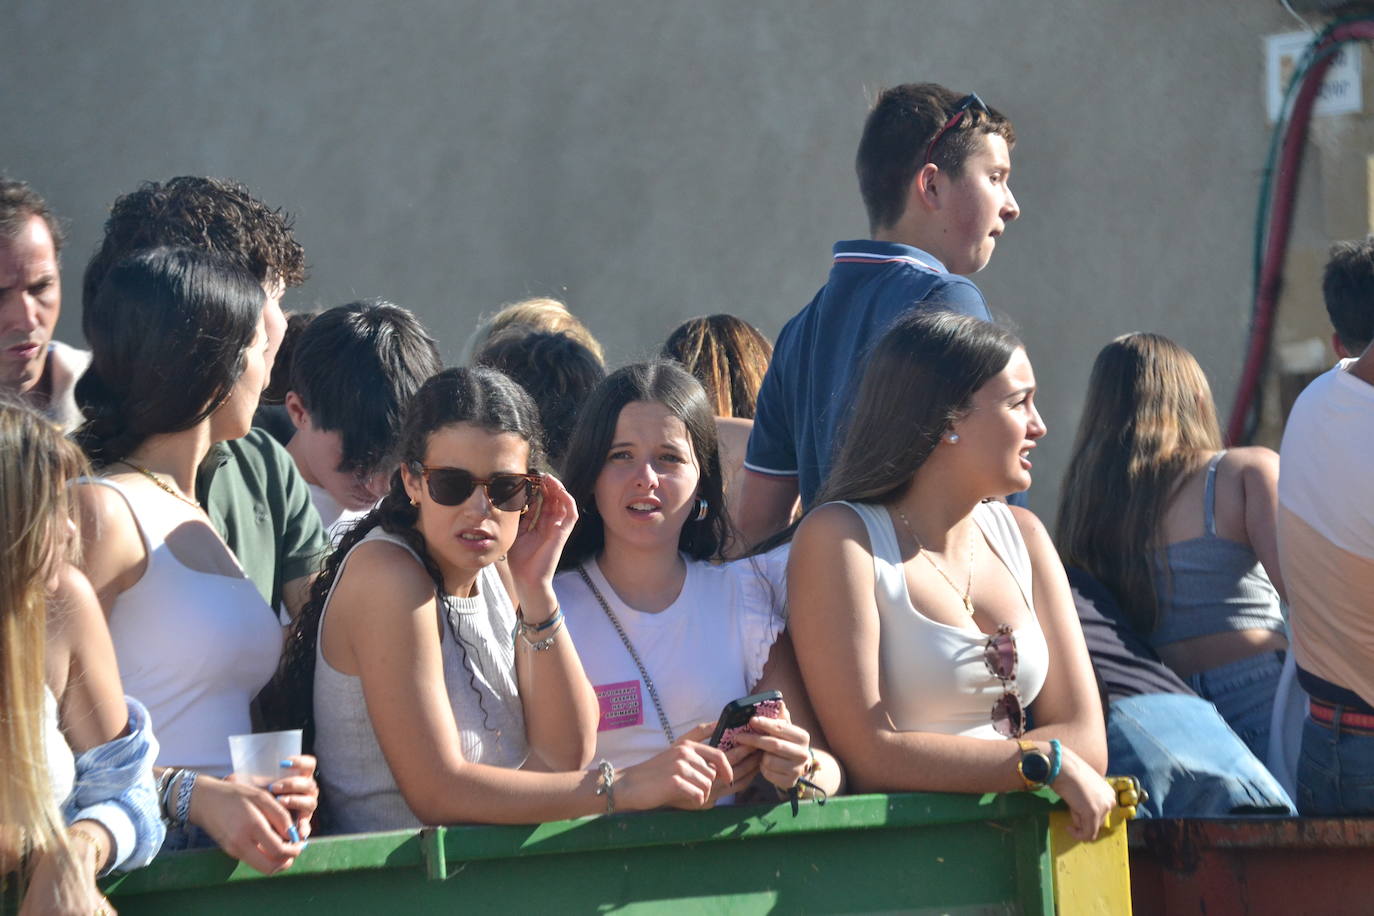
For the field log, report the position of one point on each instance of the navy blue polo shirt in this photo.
(819, 354)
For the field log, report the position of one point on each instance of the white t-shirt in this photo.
(705, 649)
(65, 365)
(335, 517)
(1326, 528)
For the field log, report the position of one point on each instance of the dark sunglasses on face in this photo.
(999, 654)
(453, 486)
(969, 101)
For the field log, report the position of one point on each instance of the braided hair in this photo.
(482, 397)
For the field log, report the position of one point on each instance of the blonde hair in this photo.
(1148, 422)
(35, 464)
(538, 314)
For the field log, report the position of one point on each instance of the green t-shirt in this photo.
(260, 504)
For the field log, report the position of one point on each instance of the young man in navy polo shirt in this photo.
(933, 169)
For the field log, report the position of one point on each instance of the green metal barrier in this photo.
(867, 853)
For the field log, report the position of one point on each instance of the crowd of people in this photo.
(521, 589)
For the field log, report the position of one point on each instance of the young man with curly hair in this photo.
(250, 488)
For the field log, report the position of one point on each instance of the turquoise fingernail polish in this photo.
(285, 763)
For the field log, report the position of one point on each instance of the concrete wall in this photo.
(649, 162)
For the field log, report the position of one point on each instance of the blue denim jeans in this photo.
(1335, 771)
(1188, 759)
(187, 836)
(1243, 692)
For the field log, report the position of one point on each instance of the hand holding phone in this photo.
(734, 718)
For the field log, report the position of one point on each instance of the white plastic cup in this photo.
(257, 758)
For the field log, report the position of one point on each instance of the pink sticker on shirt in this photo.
(622, 705)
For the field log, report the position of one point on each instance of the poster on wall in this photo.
(1341, 91)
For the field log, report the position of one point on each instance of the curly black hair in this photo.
(209, 214)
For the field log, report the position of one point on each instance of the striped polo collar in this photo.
(867, 251)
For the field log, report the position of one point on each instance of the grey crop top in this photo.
(1212, 585)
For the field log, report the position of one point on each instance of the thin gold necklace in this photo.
(177, 494)
(921, 549)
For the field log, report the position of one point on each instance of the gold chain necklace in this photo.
(177, 494)
(921, 549)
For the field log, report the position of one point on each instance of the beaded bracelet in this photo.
(1056, 761)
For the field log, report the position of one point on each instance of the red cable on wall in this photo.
(1281, 222)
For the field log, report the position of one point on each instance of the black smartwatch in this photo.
(1033, 767)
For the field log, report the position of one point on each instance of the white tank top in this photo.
(61, 763)
(194, 647)
(933, 677)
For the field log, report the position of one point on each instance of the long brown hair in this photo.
(920, 378)
(728, 355)
(1148, 422)
(35, 464)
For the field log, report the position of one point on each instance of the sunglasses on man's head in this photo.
(969, 101)
(453, 486)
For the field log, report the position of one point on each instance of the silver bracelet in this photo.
(545, 643)
(555, 623)
(166, 790)
(605, 783)
(188, 783)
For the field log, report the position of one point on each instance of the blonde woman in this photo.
(78, 787)
(1182, 531)
(536, 314)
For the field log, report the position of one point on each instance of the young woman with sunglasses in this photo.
(430, 667)
(929, 617)
(178, 359)
(668, 636)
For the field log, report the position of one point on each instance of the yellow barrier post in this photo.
(1095, 878)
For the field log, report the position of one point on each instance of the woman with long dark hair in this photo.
(431, 669)
(932, 622)
(669, 636)
(178, 359)
(1182, 531)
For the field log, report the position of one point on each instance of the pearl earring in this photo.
(953, 438)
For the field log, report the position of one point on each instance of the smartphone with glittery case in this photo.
(734, 718)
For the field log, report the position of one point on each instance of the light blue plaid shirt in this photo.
(115, 787)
